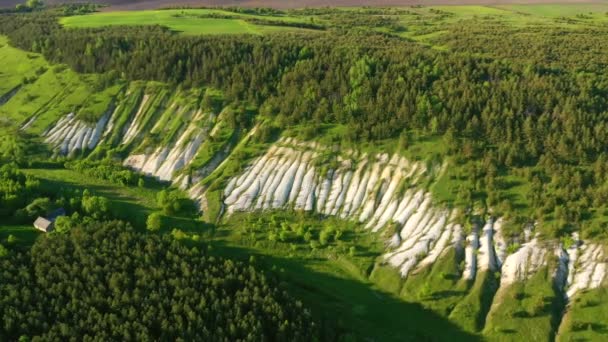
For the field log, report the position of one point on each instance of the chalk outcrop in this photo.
(379, 191)
(523, 263)
(164, 161)
(589, 268)
(290, 174)
(382, 192)
(70, 134)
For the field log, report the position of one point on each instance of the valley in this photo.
(406, 186)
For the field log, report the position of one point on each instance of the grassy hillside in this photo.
(526, 310)
(586, 319)
(46, 92)
(596, 10)
(334, 264)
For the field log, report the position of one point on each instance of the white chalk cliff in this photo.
(381, 192)
(163, 161)
(70, 134)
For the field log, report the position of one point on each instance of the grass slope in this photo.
(585, 318)
(470, 313)
(438, 287)
(130, 203)
(47, 92)
(17, 66)
(332, 277)
(526, 310)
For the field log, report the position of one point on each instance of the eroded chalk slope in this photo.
(384, 193)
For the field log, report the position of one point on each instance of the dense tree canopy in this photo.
(502, 98)
(104, 281)
(16, 191)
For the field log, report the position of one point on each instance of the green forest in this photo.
(181, 142)
(106, 281)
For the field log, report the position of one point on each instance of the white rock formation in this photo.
(589, 268)
(374, 190)
(572, 253)
(500, 243)
(485, 256)
(166, 160)
(349, 191)
(523, 263)
(29, 123)
(470, 255)
(70, 134)
(378, 191)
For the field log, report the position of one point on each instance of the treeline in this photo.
(253, 20)
(17, 192)
(105, 281)
(297, 24)
(107, 171)
(23, 198)
(78, 8)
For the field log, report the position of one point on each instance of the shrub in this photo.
(154, 222)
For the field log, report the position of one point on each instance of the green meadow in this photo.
(426, 24)
(46, 92)
(17, 66)
(559, 10)
(187, 21)
(420, 24)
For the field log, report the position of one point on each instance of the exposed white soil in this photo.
(379, 191)
(485, 256)
(29, 122)
(70, 134)
(441, 245)
(523, 263)
(589, 268)
(287, 177)
(110, 125)
(470, 254)
(500, 243)
(165, 161)
(375, 190)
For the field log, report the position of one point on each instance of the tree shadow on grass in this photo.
(590, 326)
(437, 295)
(122, 206)
(25, 235)
(187, 224)
(514, 200)
(354, 306)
